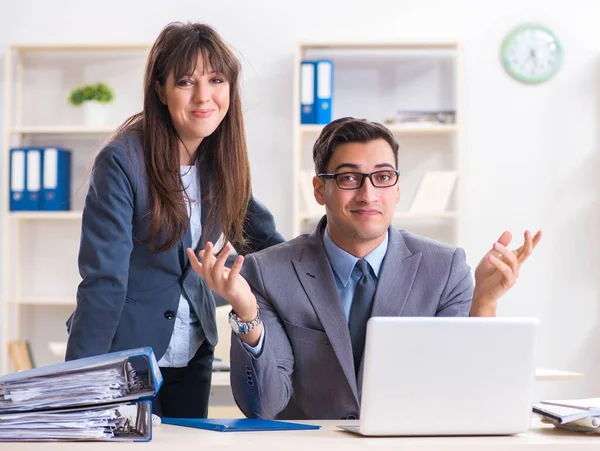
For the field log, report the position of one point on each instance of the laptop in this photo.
(447, 376)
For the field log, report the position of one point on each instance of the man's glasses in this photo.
(355, 180)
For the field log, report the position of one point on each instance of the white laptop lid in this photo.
(448, 376)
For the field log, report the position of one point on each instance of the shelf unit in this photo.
(39, 249)
(60, 130)
(375, 80)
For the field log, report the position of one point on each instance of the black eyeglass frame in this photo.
(363, 177)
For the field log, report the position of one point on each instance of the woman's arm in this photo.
(104, 253)
(259, 228)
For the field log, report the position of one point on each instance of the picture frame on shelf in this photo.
(434, 192)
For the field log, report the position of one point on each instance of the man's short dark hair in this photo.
(349, 130)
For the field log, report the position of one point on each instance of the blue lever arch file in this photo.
(137, 365)
(33, 179)
(238, 425)
(307, 92)
(17, 201)
(104, 397)
(323, 91)
(56, 180)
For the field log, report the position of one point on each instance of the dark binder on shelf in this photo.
(56, 179)
(239, 425)
(323, 91)
(307, 92)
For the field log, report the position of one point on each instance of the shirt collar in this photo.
(343, 262)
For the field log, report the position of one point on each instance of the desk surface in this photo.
(328, 437)
(221, 378)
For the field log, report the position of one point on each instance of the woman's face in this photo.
(197, 102)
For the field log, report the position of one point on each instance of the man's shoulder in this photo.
(288, 250)
(424, 245)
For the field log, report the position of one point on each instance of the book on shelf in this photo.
(426, 117)
(20, 355)
(434, 192)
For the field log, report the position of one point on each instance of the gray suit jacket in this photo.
(129, 292)
(306, 370)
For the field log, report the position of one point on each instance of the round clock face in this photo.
(531, 54)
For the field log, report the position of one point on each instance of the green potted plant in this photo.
(94, 99)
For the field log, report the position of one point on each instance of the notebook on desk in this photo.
(238, 425)
(447, 376)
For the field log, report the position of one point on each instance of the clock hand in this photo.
(532, 55)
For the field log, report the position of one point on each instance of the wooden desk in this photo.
(328, 438)
(221, 378)
(222, 404)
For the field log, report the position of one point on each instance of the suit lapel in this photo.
(317, 279)
(396, 277)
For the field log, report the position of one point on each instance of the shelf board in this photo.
(548, 374)
(222, 378)
(45, 215)
(365, 45)
(117, 46)
(45, 301)
(402, 215)
(61, 130)
(400, 129)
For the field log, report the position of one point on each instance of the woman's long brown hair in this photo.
(222, 155)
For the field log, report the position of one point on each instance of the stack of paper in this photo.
(86, 399)
(574, 414)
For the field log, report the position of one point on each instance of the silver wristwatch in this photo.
(241, 327)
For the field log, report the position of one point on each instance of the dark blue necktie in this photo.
(360, 311)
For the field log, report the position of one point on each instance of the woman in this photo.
(174, 176)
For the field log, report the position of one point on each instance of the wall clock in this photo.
(531, 53)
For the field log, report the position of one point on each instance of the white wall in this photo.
(531, 151)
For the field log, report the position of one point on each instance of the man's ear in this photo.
(160, 91)
(318, 187)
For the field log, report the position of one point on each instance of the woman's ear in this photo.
(160, 91)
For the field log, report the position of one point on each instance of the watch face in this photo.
(234, 325)
(531, 54)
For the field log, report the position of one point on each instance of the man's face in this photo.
(358, 218)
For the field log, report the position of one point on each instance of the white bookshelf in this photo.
(45, 215)
(60, 130)
(39, 248)
(399, 129)
(374, 80)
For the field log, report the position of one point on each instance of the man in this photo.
(300, 355)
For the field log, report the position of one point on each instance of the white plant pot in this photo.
(95, 114)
